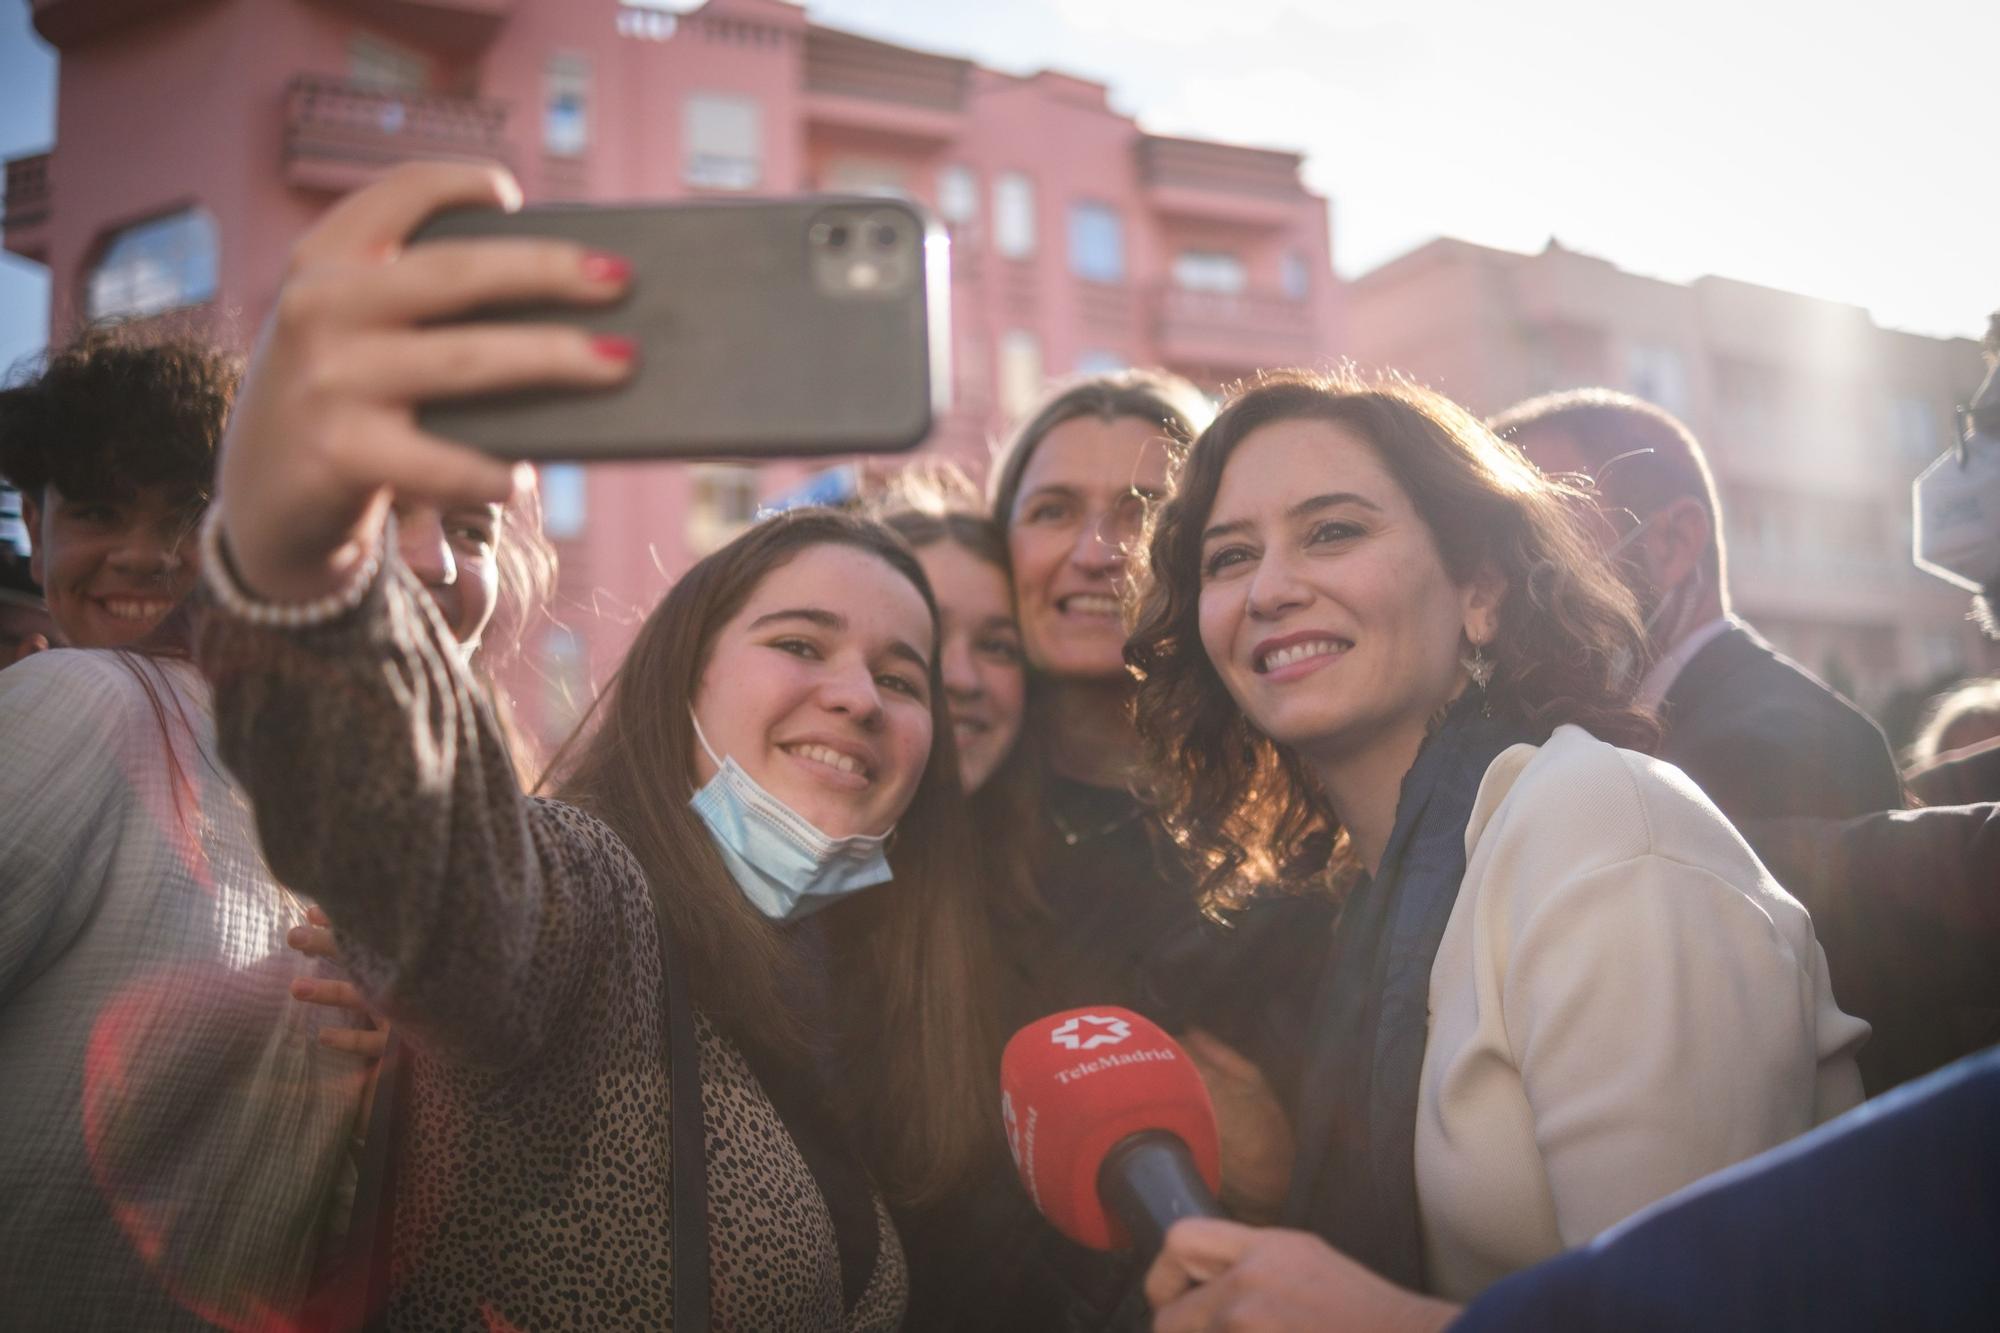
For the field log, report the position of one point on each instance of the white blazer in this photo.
(1624, 1001)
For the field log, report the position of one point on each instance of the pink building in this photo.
(1815, 421)
(198, 137)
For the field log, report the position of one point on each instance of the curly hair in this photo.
(113, 411)
(1248, 813)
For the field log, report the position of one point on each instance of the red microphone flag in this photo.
(1073, 1085)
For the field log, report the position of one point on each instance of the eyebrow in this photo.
(1310, 505)
(829, 620)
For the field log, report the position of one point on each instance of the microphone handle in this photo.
(1148, 1182)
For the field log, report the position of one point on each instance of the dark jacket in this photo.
(1906, 904)
(1888, 1217)
(1765, 739)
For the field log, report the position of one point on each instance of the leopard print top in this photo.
(512, 940)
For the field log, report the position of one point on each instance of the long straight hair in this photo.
(912, 1029)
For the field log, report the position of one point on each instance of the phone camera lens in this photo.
(836, 234)
(885, 236)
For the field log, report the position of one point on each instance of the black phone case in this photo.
(744, 350)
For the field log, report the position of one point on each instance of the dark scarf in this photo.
(1354, 1179)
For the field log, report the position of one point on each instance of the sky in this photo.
(1835, 149)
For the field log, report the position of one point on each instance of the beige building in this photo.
(1815, 420)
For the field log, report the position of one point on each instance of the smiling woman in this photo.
(1382, 663)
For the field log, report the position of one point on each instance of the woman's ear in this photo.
(1482, 597)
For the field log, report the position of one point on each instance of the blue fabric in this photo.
(1887, 1218)
(1354, 1179)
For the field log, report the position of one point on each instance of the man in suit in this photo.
(1757, 732)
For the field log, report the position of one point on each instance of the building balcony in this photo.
(339, 134)
(63, 22)
(27, 217)
(1215, 182)
(1233, 330)
(458, 26)
(856, 84)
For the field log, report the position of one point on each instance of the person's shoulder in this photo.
(592, 848)
(74, 690)
(1593, 803)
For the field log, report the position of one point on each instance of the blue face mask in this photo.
(785, 866)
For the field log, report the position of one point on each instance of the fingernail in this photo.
(603, 266)
(299, 985)
(614, 348)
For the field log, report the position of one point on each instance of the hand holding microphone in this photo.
(1110, 1126)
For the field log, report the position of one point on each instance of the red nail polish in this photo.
(612, 347)
(603, 266)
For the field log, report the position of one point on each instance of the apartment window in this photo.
(1656, 374)
(566, 106)
(565, 675)
(1209, 271)
(1097, 361)
(1020, 371)
(564, 500)
(382, 64)
(725, 503)
(155, 266)
(1014, 215)
(1295, 276)
(958, 195)
(1096, 243)
(724, 142)
(864, 175)
(1914, 425)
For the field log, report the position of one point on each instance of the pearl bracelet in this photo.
(220, 577)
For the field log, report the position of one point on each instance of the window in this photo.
(1014, 215)
(381, 64)
(564, 499)
(1656, 374)
(1913, 424)
(565, 677)
(724, 144)
(1209, 271)
(1295, 276)
(1096, 243)
(958, 195)
(1097, 361)
(1020, 371)
(725, 503)
(864, 175)
(155, 266)
(566, 106)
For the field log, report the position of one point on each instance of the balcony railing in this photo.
(855, 83)
(339, 134)
(1233, 330)
(454, 25)
(1220, 182)
(27, 209)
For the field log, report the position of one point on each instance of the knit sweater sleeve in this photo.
(382, 789)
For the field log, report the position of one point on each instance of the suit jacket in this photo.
(1764, 739)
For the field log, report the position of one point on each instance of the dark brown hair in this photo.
(1157, 396)
(1640, 457)
(1248, 812)
(115, 410)
(911, 1034)
(925, 504)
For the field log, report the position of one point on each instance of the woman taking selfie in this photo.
(778, 718)
(1380, 662)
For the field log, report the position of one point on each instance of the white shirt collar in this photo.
(1653, 689)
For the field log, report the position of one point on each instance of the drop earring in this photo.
(1478, 666)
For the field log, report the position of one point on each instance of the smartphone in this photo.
(766, 328)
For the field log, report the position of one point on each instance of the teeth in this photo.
(1299, 652)
(129, 608)
(1091, 604)
(830, 757)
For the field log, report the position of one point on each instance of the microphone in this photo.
(1110, 1127)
